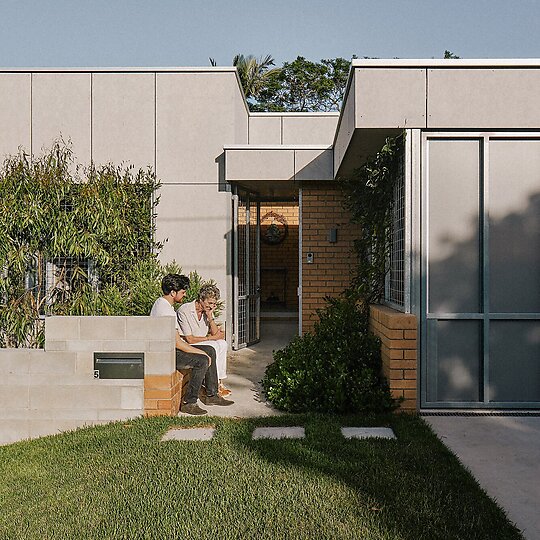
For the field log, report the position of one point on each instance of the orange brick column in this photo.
(162, 394)
(398, 333)
(330, 272)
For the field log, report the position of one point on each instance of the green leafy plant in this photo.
(368, 196)
(75, 241)
(336, 368)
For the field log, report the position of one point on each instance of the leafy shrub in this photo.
(335, 369)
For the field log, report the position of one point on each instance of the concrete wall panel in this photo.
(195, 119)
(484, 98)
(346, 127)
(196, 220)
(15, 113)
(265, 130)
(392, 98)
(123, 118)
(309, 129)
(260, 165)
(313, 165)
(61, 106)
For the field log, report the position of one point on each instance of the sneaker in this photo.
(192, 408)
(217, 400)
(223, 391)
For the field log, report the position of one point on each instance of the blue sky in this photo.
(123, 33)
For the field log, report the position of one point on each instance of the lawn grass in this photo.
(119, 481)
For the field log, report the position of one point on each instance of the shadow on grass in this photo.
(120, 481)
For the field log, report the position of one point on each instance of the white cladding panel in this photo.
(195, 119)
(313, 165)
(196, 221)
(309, 129)
(265, 129)
(61, 107)
(15, 113)
(123, 123)
(259, 165)
(390, 98)
(484, 98)
(346, 126)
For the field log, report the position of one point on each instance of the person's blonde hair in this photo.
(209, 291)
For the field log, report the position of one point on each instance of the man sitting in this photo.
(198, 327)
(201, 358)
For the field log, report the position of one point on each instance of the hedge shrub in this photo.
(334, 369)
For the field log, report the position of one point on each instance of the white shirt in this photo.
(162, 308)
(189, 322)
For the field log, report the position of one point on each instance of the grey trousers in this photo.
(200, 372)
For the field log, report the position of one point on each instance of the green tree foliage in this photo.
(449, 55)
(304, 86)
(334, 369)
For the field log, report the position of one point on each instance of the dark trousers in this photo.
(200, 371)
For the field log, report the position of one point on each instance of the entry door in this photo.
(481, 271)
(247, 297)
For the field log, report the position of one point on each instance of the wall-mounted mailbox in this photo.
(125, 365)
(332, 235)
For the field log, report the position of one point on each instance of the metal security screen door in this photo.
(481, 271)
(246, 226)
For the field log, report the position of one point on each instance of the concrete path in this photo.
(246, 369)
(503, 454)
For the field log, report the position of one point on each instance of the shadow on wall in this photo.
(455, 347)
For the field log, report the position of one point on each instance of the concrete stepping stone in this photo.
(367, 433)
(189, 434)
(279, 433)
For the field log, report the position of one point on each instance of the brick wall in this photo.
(398, 333)
(330, 272)
(279, 263)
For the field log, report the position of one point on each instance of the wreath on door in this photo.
(274, 228)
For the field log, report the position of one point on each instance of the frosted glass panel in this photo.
(454, 270)
(514, 226)
(514, 361)
(456, 360)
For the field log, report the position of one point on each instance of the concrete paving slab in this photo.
(246, 369)
(189, 434)
(367, 433)
(295, 432)
(503, 454)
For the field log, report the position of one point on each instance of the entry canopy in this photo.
(277, 170)
(384, 97)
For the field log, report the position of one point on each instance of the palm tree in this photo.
(254, 72)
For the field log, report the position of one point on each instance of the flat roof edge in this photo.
(209, 69)
(278, 147)
(447, 63)
(301, 114)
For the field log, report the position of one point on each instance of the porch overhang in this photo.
(277, 170)
(384, 97)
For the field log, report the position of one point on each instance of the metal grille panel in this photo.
(396, 282)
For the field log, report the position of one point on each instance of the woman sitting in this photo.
(197, 325)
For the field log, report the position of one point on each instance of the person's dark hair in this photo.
(174, 282)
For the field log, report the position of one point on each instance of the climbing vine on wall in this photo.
(368, 195)
(71, 239)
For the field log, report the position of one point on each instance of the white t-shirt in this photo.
(189, 322)
(162, 308)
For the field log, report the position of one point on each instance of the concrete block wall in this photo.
(399, 344)
(46, 391)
